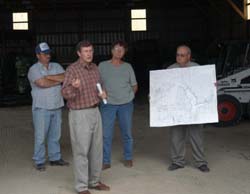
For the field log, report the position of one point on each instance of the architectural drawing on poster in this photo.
(183, 96)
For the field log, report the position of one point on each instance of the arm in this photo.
(102, 95)
(57, 77)
(135, 88)
(133, 81)
(45, 83)
(68, 90)
(37, 78)
(59, 73)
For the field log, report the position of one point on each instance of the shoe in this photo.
(84, 192)
(128, 163)
(40, 167)
(106, 166)
(174, 167)
(60, 162)
(204, 168)
(100, 187)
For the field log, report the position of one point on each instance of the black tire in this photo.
(229, 111)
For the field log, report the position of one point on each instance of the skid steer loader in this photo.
(233, 82)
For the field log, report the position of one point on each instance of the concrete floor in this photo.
(227, 151)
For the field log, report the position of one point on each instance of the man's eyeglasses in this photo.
(180, 55)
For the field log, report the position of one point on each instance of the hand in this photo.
(103, 95)
(216, 84)
(76, 83)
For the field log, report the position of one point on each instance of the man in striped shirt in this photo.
(80, 91)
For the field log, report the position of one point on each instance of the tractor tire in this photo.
(229, 111)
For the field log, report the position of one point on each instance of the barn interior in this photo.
(217, 31)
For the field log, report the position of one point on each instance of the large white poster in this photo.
(183, 96)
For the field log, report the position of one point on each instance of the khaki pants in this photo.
(86, 140)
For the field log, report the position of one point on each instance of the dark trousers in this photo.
(178, 136)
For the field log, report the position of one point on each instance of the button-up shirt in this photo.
(46, 98)
(86, 95)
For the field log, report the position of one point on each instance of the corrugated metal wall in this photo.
(167, 27)
(63, 30)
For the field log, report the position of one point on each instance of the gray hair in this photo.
(186, 47)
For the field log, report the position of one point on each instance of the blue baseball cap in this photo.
(43, 47)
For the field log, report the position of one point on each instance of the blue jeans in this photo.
(124, 114)
(47, 125)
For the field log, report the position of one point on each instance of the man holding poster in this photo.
(184, 97)
(178, 134)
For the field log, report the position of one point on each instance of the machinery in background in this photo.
(15, 87)
(233, 85)
(22, 66)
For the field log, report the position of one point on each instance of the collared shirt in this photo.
(86, 95)
(46, 98)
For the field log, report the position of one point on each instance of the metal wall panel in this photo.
(63, 31)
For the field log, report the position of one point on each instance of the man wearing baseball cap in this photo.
(45, 79)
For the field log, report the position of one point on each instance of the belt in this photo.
(94, 106)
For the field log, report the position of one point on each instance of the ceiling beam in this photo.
(245, 8)
(243, 13)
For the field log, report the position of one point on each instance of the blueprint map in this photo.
(183, 96)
